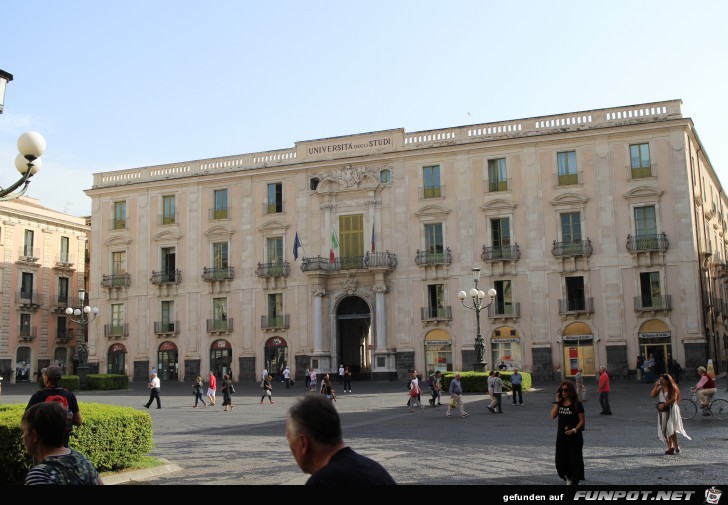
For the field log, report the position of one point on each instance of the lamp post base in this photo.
(480, 367)
(82, 371)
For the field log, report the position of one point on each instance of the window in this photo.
(63, 290)
(274, 247)
(313, 183)
(275, 310)
(275, 198)
(64, 250)
(62, 328)
(119, 220)
(385, 176)
(28, 243)
(500, 235)
(575, 293)
(26, 286)
(25, 325)
(639, 155)
(436, 301)
(650, 289)
(504, 299)
(434, 244)
(645, 224)
(571, 232)
(431, 178)
(168, 209)
(117, 319)
(221, 204)
(497, 175)
(220, 255)
(169, 262)
(219, 314)
(567, 168)
(118, 262)
(167, 315)
(351, 240)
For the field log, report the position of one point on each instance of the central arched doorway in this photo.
(355, 341)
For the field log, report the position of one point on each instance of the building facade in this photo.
(44, 254)
(601, 231)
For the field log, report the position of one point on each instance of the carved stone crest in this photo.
(350, 284)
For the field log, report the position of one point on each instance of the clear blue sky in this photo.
(116, 85)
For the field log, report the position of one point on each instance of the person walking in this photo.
(516, 382)
(347, 379)
(263, 376)
(569, 439)
(640, 367)
(197, 389)
(414, 392)
(493, 402)
(497, 393)
(287, 377)
(675, 371)
(312, 380)
(50, 378)
(705, 388)
(436, 388)
(43, 428)
(154, 387)
(211, 388)
(669, 420)
(326, 388)
(313, 432)
(341, 374)
(227, 391)
(580, 387)
(649, 368)
(306, 377)
(603, 388)
(267, 389)
(456, 397)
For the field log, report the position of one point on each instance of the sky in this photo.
(119, 85)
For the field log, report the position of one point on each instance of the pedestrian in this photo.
(669, 420)
(313, 431)
(211, 388)
(502, 366)
(227, 391)
(675, 371)
(456, 397)
(516, 382)
(341, 374)
(603, 388)
(154, 370)
(347, 379)
(287, 377)
(41, 378)
(580, 387)
(493, 402)
(436, 388)
(312, 380)
(43, 429)
(649, 368)
(705, 388)
(640, 367)
(414, 392)
(306, 377)
(497, 393)
(154, 387)
(263, 376)
(569, 438)
(326, 388)
(52, 391)
(267, 389)
(197, 389)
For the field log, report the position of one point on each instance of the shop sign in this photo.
(504, 340)
(577, 337)
(655, 334)
(438, 342)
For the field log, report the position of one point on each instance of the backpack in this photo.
(64, 403)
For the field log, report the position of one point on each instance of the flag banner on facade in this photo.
(374, 247)
(296, 245)
(334, 247)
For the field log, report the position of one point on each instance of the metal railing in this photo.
(274, 208)
(650, 242)
(219, 325)
(166, 327)
(29, 252)
(275, 322)
(29, 332)
(576, 305)
(274, 269)
(220, 213)
(218, 274)
(423, 258)
(568, 179)
(65, 259)
(64, 334)
(28, 298)
(168, 218)
(508, 310)
(115, 281)
(373, 260)
(166, 277)
(496, 185)
(577, 248)
(116, 330)
(436, 313)
(501, 253)
(651, 303)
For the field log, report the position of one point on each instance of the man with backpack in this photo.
(55, 393)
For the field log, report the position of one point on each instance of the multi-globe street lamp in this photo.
(83, 316)
(477, 297)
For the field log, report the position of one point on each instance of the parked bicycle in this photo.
(717, 407)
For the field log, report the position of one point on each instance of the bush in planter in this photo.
(477, 382)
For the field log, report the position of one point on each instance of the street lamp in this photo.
(477, 296)
(83, 316)
(5, 78)
(31, 146)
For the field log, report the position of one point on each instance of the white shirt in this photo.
(286, 373)
(265, 374)
(341, 370)
(155, 382)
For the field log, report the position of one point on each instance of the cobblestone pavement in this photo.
(248, 446)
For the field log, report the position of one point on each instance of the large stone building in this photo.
(602, 232)
(43, 267)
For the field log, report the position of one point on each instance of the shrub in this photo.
(477, 382)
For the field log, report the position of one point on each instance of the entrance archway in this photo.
(578, 350)
(655, 339)
(276, 355)
(116, 359)
(354, 334)
(221, 358)
(167, 362)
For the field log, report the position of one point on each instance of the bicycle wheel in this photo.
(719, 409)
(688, 409)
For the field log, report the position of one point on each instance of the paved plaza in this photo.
(248, 446)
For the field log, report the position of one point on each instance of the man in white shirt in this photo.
(263, 376)
(341, 374)
(287, 377)
(154, 386)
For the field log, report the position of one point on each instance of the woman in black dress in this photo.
(569, 440)
(227, 399)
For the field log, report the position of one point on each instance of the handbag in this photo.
(657, 406)
(267, 392)
(453, 403)
(414, 393)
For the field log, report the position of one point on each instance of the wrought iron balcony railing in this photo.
(501, 253)
(576, 306)
(436, 313)
(64, 334)
(115, 281)
(505, 311)
(166, 327)
(166, 277)
(577, 248)
(275, 322)
(218, 274)
(28, 332)
(652, 303)
(373, 260)
(219, 325)
(116, 330)
(424, 258)
(649, 242)
(275, 269)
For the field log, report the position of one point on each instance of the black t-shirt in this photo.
(569, 418)
(347, 467)
(40, 396)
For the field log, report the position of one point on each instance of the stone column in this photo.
(379, 290)
(318, 337)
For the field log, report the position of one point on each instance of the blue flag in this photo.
(296, 245)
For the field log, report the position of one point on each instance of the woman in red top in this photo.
(603, 388)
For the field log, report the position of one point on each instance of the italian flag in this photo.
(334, 246)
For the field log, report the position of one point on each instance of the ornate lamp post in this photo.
(83, 316)
(477, 306)
(5, 78)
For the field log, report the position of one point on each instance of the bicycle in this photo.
(717, 407)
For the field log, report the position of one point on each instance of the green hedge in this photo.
(99, 382)
(111, 437)
(477, 382)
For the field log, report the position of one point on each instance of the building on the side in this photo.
(602, 231)
(43, 267)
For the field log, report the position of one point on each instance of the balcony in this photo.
(577, 248)
(166, 277)
(219, 213)
(275, 322)
(60, 302)
(28, 300)
(218, 274)
(432, 192)
(275, 269)
(167, 218)
(501, 253)
(274, 208)
(115, 281)
(659, 303)
(117, 223)
(64, 335)
(166, 328)
(573, 179)
(424, 258)
(64, 261)
(370, 261)
(116, 330)
(497, 185)
(576, 306)
(219, 325)
(436, 313)
(28, 332)
(507, 311)
(647, 242)
(28, 253)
